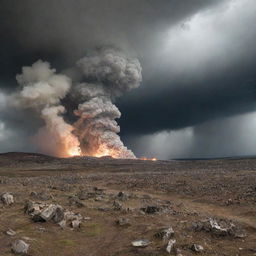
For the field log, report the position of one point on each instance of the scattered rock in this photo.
(75, 223)
(117, 206)
(49, 212)
(122, 196)
(74, 200)
(33, 208)
(56, 213)
(98, 191)
(98, 198)
(33, 193)
(140, 243)
(10, 232)
(222, 228)
(70, 216)
(197, 248)
(178, 252)
(59, 214)
(229, 201)
(20, 247)
(151, 209)
(7, 198)
(123, 222)
(62, 224)
(41, 229)
(170, 245)
(165, 233)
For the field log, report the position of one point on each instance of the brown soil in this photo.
(189, 191)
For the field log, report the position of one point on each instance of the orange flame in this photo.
(74, 152)
(148, 159)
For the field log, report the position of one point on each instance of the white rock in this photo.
(75, 224)
(140, 243)
(10, 232)
(197, 248)
(170, 245)
(48, 213)
(7, 198)
(20, 247)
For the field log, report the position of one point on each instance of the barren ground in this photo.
(185, 192)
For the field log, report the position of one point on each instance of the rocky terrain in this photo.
(85, 206)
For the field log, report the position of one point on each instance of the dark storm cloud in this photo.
(61, 31)
(198, 56)
(205, 70)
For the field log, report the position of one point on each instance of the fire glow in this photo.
(148, 159)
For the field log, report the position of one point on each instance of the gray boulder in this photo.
(20, 247)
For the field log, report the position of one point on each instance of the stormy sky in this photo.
(197, 98)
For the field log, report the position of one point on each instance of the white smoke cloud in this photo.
(42, 91)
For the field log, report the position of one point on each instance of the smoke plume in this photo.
(106, 74)
(41, 91)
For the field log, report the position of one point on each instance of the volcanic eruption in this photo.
(105, 74)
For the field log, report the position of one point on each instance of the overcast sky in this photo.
(197, 98)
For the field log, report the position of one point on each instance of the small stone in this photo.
(20, 247)
(75, 224)
(123, 222)
(151, 209)
(229, 201)
(33, 193)
(117, 206)
(197, 248)
(41, 229)
(62, 224)
(170, 245)
(165, 233)
(7, 198)
(178, 252)
(140, 243)
(10, 232)
(122, 196)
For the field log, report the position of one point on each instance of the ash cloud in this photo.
(106, 75)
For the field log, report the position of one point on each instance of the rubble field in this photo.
(85, 206)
